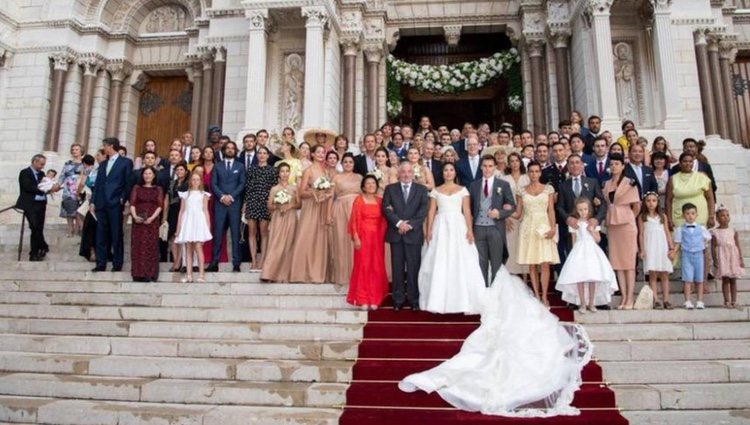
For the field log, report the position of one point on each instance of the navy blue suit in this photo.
(111, 191)
(592, 170)
(228, 181)
(463, 170)
(649, 180)
(436, 168)
(460, 148)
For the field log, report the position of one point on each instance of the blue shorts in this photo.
(692, 265)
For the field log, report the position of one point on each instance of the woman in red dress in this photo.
(207, 164)
(145, 208)
(368, 284)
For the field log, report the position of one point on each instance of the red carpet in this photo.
(398, 344)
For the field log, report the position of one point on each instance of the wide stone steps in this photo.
(692, 417)
(639, 351)
(48, 410)
(682, 396)
(671, 371)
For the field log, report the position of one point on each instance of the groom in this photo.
(491, 203)
(405, 208)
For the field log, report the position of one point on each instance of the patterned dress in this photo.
(69, 182)
(258, 184)
(727, 254)
(145, 237)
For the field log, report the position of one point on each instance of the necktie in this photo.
(601, 167)
(228, 167)
(577, 186)
(559, 168)
(247, 160)
(406, 192)
(428, 165)
(171, 171)
(486, 189)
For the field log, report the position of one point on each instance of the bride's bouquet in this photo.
(377, 174)
(282, 197)
(322, 183)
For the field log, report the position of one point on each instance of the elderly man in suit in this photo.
(468, 167)
(405, 209)
(33, 203)
(577, 186)
(228, 186)
(491, 203)
(111, 192)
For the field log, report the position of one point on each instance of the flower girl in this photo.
(727, 256)
(586, 263)
(656, 248)
(193, 224)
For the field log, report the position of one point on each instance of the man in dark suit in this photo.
(435, 167)
(468, 167)
(365, 162)
(557, 172)
(397, 145)
(166, 174)
(578, 186)
(591, 133)
(247, 156)
(491, 203)
(691, 146)
(405, 208)
(599, 168)
(460, 146)
(111, 191)
(642, 174)
(33, 203)
(261, 139)
(228, 186)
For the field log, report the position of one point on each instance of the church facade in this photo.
(76, 71)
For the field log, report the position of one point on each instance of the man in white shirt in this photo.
(468, 167)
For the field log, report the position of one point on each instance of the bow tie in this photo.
(690, 226)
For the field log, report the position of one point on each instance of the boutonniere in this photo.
(499, 190)
(608, 170)
(597, 202)
(586, 186)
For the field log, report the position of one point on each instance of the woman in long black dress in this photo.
(172, 210)
(260, 179)
(146, 200)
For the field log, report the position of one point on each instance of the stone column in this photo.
(562, 70)
(217, 104)
(195, 107)
(91, 67)
(373, 55)
(536, 59)
(722, 121)
(727, 51)
(61, 62)
(255, 99)
(118, 72)
(704, 79)
(207, 92)
(314, 66)
(351, 48)
(605, 68)
(666, 67)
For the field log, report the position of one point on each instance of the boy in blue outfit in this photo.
(691, 239)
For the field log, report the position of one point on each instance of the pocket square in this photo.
(235, 172)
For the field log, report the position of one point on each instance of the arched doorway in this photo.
(487, 104)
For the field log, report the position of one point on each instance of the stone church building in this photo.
(79, 70)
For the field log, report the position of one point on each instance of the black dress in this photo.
(174, 205)
(258, 184)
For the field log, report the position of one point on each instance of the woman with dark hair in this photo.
(660, 163)
(195, 158)
(518, 180)
(85, 188)
(172, 210)
(282, 202)
(346, 187)
(305, 156)
(688, 186)
(623, 205)
(149, 145)
(258, 183)
(340, 146)
(287, 134)
(383, 172)
(69, 176)
(368, 285)
(146, 200)
(208, 160)
(422, 175)
(661, 145)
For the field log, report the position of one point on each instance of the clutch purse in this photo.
(164, 231)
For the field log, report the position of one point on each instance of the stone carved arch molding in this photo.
(127, 16)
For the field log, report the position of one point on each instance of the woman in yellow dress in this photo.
(288, 153)
(689, 186)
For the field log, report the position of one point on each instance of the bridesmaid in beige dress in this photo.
(623, 205)
(387, 174)
(518, 180)
(278, 262)
(346, 188)
(310, 251)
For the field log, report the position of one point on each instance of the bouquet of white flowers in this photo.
(282, 197)
(322, 183)
(418, 172)
(377, 174)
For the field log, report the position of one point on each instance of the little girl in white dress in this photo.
(586, 263)
(656, 248)
(193, 225)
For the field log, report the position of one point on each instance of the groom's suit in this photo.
(406, 249)
(489, 233)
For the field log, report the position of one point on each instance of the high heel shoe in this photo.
(187, 279)
(201, 279)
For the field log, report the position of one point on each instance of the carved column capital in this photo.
(452, 34)
(661, 6)
(599, 6)
(257, 19)
(700, 36)
(316, 16)
(220, 54)
(728, 49)
(350, 46)
(714, 39)
(535, 47)
(91, 65)
(373, 52)
(206, 56)
(560, 37)
(119, 69)
(62, 60)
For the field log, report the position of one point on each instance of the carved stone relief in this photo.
(293, 90)
(171, 18)
(626, 81)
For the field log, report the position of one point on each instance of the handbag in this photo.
(645, 300)
(164, 231)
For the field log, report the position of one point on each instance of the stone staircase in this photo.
(94, 348)
(678, 366)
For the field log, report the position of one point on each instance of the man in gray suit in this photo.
(491, 203)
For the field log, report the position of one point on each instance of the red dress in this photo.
(368, 284)
(144, 250)
(208, 246)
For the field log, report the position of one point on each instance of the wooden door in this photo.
(163, 112)
(741, 76)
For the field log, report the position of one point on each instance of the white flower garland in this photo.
(456, 78)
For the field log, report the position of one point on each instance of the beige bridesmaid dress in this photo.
(281, 230)
(346, 190)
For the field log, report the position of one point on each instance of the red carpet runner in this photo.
(398, 344)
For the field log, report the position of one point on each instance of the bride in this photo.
(520, 362)
(450, 279)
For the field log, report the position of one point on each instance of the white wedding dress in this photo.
(520, 362)
(450, 279)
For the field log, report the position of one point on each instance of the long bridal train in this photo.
(520, 362)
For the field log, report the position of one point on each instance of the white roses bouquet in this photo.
(322, 183)
(418, 172)
(282, 197)
(377, 174)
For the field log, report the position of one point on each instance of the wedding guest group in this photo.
(407, 210)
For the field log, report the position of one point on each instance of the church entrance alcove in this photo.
(486, 104)
(163, 112)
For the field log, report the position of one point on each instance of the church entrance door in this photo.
(163, 112)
